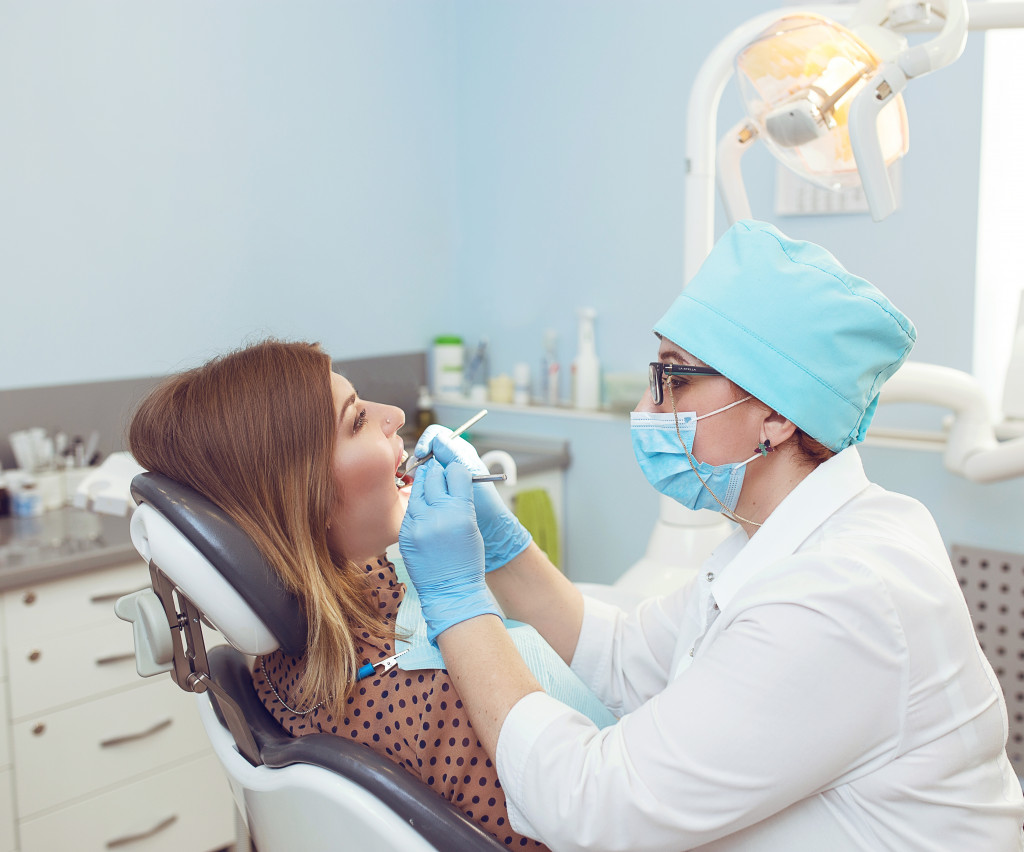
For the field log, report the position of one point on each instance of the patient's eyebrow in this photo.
(345, 407)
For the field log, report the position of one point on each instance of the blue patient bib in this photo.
(554, 676)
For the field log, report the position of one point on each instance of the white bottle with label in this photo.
(448, 356)
(586, 369)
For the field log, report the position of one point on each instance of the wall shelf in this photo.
(532, 410)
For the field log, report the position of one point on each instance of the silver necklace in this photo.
(263, 668)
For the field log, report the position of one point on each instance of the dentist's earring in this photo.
(764, 447)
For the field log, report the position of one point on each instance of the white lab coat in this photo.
(818, 687)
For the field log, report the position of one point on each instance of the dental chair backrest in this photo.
(317, 792)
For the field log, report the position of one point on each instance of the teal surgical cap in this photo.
(786, 322)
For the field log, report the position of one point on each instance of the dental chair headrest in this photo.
(230, 552)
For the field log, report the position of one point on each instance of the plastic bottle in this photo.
(521, 377)
(478, 373)
(549, 390)
(424, 411)
(586, 369)
(447, 362)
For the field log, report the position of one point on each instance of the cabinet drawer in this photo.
(84, 749)
(3, 643)
(72, 603)
(5, 743)
(58, 669)
(186, 807)
(7, 839)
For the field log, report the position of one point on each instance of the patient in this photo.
(307, 468)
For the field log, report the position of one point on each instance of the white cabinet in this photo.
(93, 756)
(8, 840)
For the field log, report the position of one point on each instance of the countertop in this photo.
(60, 543)
(69, 541)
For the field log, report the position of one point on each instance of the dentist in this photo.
(818, 685)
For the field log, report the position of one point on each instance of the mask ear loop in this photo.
(729, 513)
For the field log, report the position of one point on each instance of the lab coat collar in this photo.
(804, 509)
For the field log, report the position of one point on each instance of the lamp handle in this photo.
(866, 143)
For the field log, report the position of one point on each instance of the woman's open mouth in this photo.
(405, 479)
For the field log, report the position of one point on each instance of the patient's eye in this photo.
(360, 421)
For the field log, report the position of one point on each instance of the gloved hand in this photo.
(504, 537)
(442, 548)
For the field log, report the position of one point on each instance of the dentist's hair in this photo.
(253, 431)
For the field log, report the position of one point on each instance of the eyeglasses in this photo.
(658, 371)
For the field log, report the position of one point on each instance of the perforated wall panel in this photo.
(993, 584)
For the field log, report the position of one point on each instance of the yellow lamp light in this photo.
(798, 79)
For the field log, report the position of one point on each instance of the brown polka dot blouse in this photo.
(415, 718)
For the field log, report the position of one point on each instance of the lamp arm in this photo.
(731, 148)
(972, 450)
(702, 130)
(942, 50)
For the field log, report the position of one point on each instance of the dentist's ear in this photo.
(776, 429)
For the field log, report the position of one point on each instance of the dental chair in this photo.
(317, 792)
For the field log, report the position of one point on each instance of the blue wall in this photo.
(176, 178)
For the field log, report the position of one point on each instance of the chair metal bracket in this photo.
(190, 669)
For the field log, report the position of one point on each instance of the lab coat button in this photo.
(711, 576)
(716, 607)
(691, 652)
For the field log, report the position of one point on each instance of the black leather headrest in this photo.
(231, 552)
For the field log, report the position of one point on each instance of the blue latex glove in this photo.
(442, 548)
(504, 537)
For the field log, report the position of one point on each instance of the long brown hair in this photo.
(254, 431)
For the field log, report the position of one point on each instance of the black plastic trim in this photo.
(231, 552)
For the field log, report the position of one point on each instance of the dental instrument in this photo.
(491, 477)
(409, 468)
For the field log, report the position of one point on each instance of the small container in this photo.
(448, 358)
(501, 388)
(27, 501)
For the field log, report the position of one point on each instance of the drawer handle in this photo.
(116, 658)
(130, 738)
(135, 838)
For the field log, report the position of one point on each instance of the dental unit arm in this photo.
(971, 447)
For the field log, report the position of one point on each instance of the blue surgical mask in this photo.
(662, 442)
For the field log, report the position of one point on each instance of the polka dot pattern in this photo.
(415, 718)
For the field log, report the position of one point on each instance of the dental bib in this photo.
(551, 672)
(663, 453)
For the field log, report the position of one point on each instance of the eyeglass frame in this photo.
(658, 370)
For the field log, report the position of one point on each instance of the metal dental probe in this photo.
(413, 463)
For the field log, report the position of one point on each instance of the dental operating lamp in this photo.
(822, 88)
